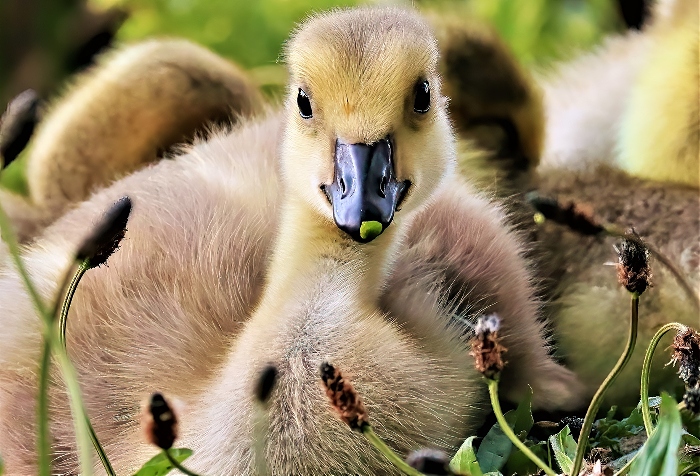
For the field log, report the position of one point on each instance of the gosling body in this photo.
(131, 109)
(623, 133)
(191, 306)
(621, 141)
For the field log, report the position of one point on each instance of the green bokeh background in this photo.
(252, 32)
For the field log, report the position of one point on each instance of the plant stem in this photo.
(598, 397)
(260, 432)
(98, 447)
(388, 452)
(9, 237)
(177, 465)
(80, 419)
(44, 445)
(646, 370)
(65, 365)
(62, 323)
(43, 437)
(63, 319)
(508, 431)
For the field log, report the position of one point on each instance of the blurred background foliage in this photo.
(43, 41)
(252, 31)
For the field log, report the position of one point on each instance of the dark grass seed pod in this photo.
(686, 354)
(344, 398)
(266, 383)
(17, 125)
(159, 422)
(105, 237)
(575, 424)
(691, 399)
(633, 271)
(575, 216)
(430, 462)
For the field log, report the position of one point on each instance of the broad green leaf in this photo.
(609, 432)
(564, 447)
(519, 463)
(2, 466)
(687, 464)
(622, 461)
(464, 461)
(611, 413)
(659, 455)
(523, 415)
(691, 422)
(495, 449)
(159, 464)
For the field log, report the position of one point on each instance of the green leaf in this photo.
(659, 455)
(464, 461)
(610, 432)
(689, 461)
(622, 461)
(495, 449)
(519, 463)
(2, 466)
(691, 422)
(159, 464)
(564, 447)
(523, 415)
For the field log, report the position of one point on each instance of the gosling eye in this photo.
(304, 104)
(421, 104)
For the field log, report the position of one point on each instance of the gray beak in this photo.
(364, 193)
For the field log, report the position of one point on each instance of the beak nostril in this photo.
(382, 185)
(364, 191)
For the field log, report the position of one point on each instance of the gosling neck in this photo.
(307, 240)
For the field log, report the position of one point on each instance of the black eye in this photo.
(422, 102)
(304, 104)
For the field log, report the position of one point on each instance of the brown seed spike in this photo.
(344, 398)
(104, 239)
(686, 353)
(633, 271)
(159, 422)
(486, 347)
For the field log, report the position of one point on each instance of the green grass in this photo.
(252, 32)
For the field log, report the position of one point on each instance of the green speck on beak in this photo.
(369, 230)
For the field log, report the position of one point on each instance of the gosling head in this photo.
(367, 129)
